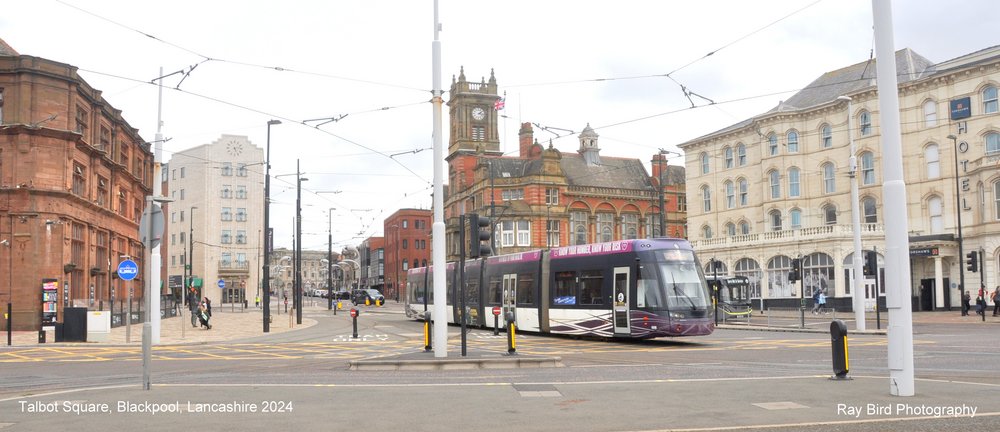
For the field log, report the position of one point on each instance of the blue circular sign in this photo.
(128, 270)
(222, 283)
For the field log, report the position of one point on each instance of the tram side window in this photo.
(590, 287)
(565, 289)
(496, 290)
(525, 289)
(648, 292)
(472, 293)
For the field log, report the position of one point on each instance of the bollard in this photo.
(9, 317)
(838, 339)
(335, 307)
(368, 301)
(354, 317)
(427, 331)
(511, 334)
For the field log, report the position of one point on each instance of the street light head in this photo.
(302, 179)
(952, 137)
(844, 98)
(273, 122)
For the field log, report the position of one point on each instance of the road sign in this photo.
(496, 310)
(128, 270)
(144, 229)
(222, 283)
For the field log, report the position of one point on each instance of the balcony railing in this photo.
(237, 266)
(826, 232)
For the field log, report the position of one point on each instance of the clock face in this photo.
(478, 113)
(234, 148)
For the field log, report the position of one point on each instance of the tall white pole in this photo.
(154, 275)
(437, 229)
(897, 262)
(859, 277)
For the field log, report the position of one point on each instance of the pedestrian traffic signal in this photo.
(796, 272)
(972, 261)
(479, 228)
(871, 263)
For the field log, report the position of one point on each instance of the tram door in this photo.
(620, 310)
(509, 297)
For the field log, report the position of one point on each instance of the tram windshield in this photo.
(671, 280)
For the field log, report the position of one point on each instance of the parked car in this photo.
(360, 295)
(342, 295)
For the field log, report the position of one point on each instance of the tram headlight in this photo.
(676, 315)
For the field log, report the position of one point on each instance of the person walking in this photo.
(966, 298)
(256, 302)
(996, 301)
(816, 301)
(193, 306)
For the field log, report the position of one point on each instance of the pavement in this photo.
(230, 324)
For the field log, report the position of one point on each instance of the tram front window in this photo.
(674, 283)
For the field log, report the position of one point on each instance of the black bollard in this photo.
(427, 331)
(511, 334)
(354, 317)
(838, 341)
(496, 320)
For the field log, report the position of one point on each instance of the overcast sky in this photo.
(562, 64)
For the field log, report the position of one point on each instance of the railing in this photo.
(230, 265)
(825, 232)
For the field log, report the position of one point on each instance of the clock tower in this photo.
(473, 118)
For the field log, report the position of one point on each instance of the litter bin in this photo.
(74, 325)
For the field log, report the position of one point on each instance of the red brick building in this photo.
(543, 197)
(73, 180)
(407, 245)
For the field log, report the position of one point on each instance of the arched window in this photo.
(749, 268)
(793, 141)
(829, 178)
(706, 232)
(829, 214)
(772, 144)
(817, 273)
(775, 217)
(826, 133)
(933, 157)
(777, 277)
(730, 194)
(930, 113)
(775, 184)
(989, 100)
(706, 195)
(730, 229)
(727, 154)
(934, 210)
(865, 122)
(992, 143)
(868, 205)
(795, 216)
(741, 154)
(867, 168)
(996, 200)
(704, 163)
(744, 187)
(578, 224)
(744, 227)
(793, 182)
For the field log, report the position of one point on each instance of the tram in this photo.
(638, 289)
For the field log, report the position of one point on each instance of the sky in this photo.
(619, 66)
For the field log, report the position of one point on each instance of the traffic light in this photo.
(972, 261)
(796, 272)
(479, 228)
(871, 263)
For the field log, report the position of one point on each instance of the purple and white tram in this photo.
(643, 288)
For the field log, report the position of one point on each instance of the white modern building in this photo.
(776, 187)
(215, 222)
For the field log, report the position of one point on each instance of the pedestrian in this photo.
(966, 298)
(204, 315)
(208, 306)
(980, 305)
(822, 300)
(996, 301)
(193, 306)
(256, 302)
(816, 301)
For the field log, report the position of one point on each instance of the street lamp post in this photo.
(298, 244)
(958, 220)
(329, 262)
(267, 230)
(659, 189)
(859, 282)
(395, 281)
(190, 260)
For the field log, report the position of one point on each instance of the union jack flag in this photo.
(498, 105)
